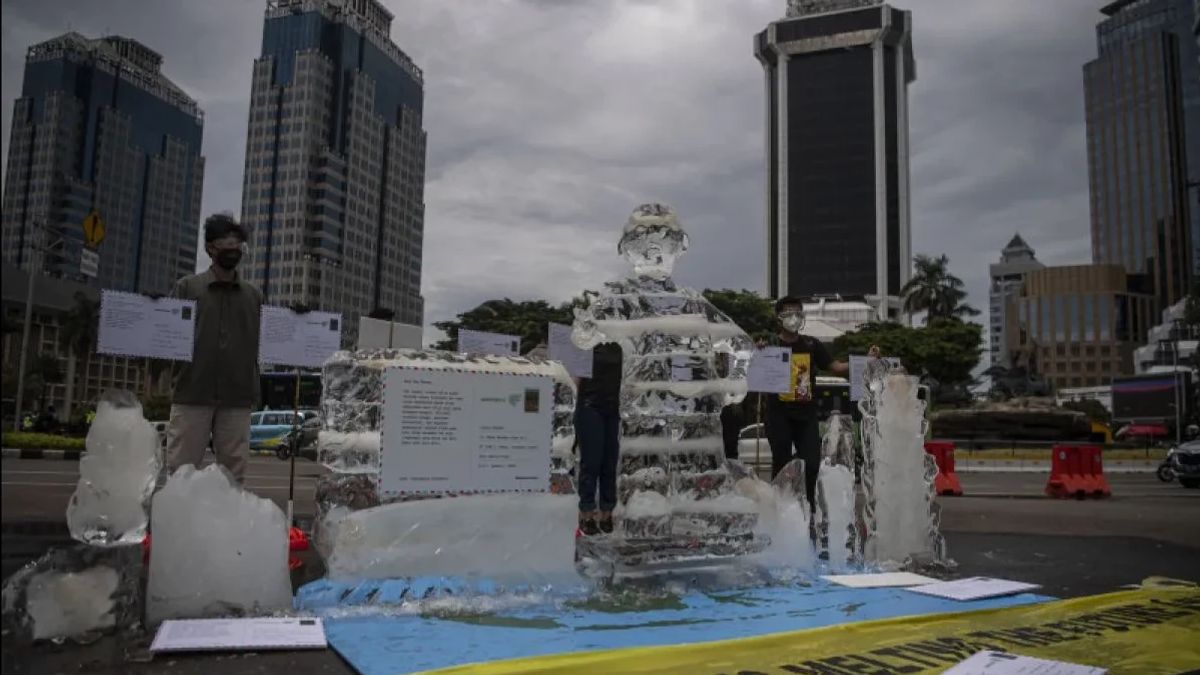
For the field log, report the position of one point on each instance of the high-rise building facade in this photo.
(836, 76)
(1142, 97)
(1016, 260)
(99, 129)
(335, 162)
(1078, 325)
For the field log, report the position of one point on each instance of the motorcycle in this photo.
(1166, 471)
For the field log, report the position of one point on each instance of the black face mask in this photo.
(228, 259)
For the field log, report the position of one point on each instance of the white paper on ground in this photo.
(857, 365)
(578, 362)
(135, 325)
(291, 339)
(770, 370)
(479, 342)
(881, 580)
(973, 588)
(187, 635)
(1003, 663)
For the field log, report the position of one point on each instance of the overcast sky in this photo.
(549, 120)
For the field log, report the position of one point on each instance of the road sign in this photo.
(89, 262)
(93, 230)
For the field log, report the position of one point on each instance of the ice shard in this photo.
(117, 474)
(900, 518)
(836, 513)
(683, 360)
(217, 549)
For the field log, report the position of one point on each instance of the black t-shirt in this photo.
(808, 356)
(603, 388)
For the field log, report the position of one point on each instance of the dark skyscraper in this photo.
(1142, 98)
(837, 76)
(99, 129)
(335, 162)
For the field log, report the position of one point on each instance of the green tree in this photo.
(935, 291)
(749, 310)
(1094, 409)
(944, 349)
(42, 371)
(526, 319)
(77, 334)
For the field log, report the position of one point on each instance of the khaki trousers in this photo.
(191, 428)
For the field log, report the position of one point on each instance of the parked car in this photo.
(270, 428)
(1185, 463)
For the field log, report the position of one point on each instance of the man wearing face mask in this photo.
(791, 418)
(216, 392)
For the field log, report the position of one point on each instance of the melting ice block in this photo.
(217, 549)
(519, 537)
(116, 475)
(74, 591)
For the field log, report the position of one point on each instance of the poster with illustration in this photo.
(801, 379)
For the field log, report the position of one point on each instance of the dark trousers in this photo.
(795, 435)
(731, 427)
(598, 431)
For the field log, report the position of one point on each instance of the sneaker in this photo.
(605, 522)
(587, 523)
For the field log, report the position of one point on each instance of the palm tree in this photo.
(77, 334)
(935, 291)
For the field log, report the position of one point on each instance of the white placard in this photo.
(135, 325)
(1003, 663)
(89, 262)
(290, 339)
(479, 342)
(447, 431)
(375, 333)
(857, 365)
(974, 588)
(578, 362)
(880, 580)
(192, 635)
(770, 370)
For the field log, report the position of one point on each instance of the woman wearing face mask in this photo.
(791, 418)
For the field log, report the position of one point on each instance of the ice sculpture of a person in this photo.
(673, 486)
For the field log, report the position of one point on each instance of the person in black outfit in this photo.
(598, 434)
(791, 418)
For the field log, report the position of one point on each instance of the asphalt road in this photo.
(1003, 527)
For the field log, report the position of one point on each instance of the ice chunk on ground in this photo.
(74, 591)
(217, 549)
(506, 537)
(116, 475)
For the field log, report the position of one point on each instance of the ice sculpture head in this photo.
(652, 241)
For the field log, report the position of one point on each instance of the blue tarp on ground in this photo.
(405, 626)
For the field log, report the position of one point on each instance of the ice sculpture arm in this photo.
(586, 334)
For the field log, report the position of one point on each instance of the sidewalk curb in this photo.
(75, 455)
(68, 455)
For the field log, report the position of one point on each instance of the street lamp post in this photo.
(37, 259)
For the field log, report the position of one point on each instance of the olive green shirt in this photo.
(224, 367)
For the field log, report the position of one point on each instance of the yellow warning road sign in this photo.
(93, 230)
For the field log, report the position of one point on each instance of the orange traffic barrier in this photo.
(946, 482)
(1077, 471)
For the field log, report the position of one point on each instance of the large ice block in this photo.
(505, 537)
(116, 475)
(218, 549)
(74, 591)
(900, 519)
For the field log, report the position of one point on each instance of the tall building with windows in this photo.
(1078, 325)
(335, 162)
(1142, 97)
(99, 129)
(836, 74)
(1016, 260)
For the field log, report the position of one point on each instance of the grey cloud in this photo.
(549, 120)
